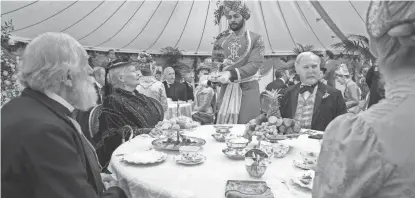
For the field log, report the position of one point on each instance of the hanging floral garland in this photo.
(9, 85)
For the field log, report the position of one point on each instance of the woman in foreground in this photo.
(372, 154)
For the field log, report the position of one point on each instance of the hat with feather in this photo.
(238, 6)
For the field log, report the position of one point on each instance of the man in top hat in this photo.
(312, 103)
(243, 51)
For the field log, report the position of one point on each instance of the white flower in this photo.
(5, 73)
(14, 77)
(7, 82)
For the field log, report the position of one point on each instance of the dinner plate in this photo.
(144, 157)
(198, 160)
(165, 144)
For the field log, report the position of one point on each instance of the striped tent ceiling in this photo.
(133, 26)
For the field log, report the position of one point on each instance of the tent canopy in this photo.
(134, 26)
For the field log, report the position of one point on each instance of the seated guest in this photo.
(44, 153)
(150, 87)
(188, 83)
(331, 66)
(203, 69)
(312, 103)
(174, 89)
(351, 91)
(204, 102)
(322, 73)
(157, 75)
(279, 83)
(125, 106)
(372, 154)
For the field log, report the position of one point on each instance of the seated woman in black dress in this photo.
(123, 106)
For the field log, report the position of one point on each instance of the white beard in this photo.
(83, 96)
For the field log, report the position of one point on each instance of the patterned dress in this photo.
(371, 154)
(123, 108)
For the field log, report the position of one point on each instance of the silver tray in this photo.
(163, 144)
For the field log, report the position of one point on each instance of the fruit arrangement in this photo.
(177, 123)
(272, 127)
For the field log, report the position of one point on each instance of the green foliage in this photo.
(357, 45)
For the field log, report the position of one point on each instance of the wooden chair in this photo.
(94, 120)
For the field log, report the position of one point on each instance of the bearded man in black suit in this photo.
(312, 103)
(43, 150)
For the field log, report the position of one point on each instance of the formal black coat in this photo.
(42, 154)
(276, 84)
(189, 92)
(325, 110)
(175, 91)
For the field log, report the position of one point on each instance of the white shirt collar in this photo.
(60, 100)
(283, 80)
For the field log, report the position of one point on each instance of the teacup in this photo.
(189, 152)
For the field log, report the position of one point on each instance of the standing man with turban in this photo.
(243, 54)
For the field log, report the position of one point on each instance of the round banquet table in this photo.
(207, 180)
(185, 109)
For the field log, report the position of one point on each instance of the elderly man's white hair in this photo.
(306, 55)
(168, 69)
(50, 60)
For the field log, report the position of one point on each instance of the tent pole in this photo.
(328, 21)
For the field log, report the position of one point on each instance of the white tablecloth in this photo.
(207, 180)
(185, 109)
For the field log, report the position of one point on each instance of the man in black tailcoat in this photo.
(44, 153)
(312, 103)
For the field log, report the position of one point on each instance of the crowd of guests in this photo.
(48, 150)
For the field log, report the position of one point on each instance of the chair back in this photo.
(266, 101)
(93, 122)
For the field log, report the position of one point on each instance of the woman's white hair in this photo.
(50, 60)
(115, 74)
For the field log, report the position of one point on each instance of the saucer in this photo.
(198, 160)
(305, 165)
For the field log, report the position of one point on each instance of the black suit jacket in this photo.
(276, 84)
(189, 91)
(325, 110)
(42, 154)
(175, 91)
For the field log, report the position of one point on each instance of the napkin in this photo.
(247, 189)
